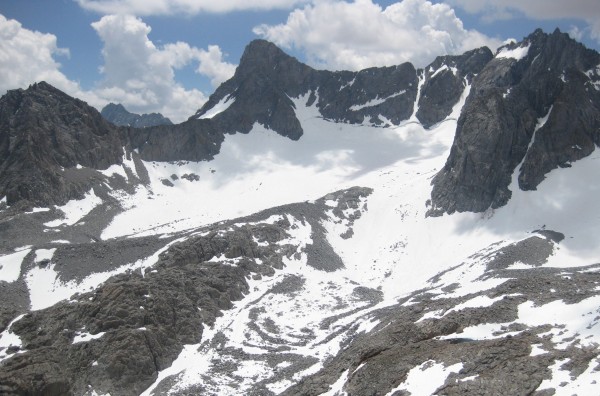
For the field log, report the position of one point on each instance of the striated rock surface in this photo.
(42, 132)
(444, 82)
(535, 106)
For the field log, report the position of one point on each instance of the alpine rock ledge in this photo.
(391, 231)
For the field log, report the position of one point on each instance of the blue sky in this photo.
(169, 55)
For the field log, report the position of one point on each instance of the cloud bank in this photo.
(141, 75)
(189, 7)
(341, 35)
(27, 56)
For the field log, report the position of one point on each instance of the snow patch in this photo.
(218, 108)
(454, 70)
(10, 265)
(375, 102)
(426, 378)
(38, 210)
(577, 323)
(86, 337)
(537, 350)
(477, 302)
(336, 389)
(565, 385)
(75, 210)
(8, 339)
(43, 254)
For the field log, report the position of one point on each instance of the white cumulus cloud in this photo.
(189, 7)
(342, 35)
(135, 72)
(141, 75)
(28, 56)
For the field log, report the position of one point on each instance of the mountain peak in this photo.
(545, 84)
(118, 115)
(43, 131)
(264, 57)
(260, 51)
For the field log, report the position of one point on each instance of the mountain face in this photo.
(534, 107)
(267, 78)
(43, 133)
(118, 115)
(310, 232)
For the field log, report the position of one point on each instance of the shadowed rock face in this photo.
(51, 145)
(118, 115)
(43, 131)
(444, 82)
(495, 132)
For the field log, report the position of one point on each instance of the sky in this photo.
(168, 56)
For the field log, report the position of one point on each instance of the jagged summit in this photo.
(533, 108)
(259, 92)
(42, 131)
(118, 115)
(262, 56)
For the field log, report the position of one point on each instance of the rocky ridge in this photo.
(533, 108)
(117, 338)
(44, 135)
(266, 78)
(118, 115)
(508, 99)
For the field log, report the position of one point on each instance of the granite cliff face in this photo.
(533, 108)
(118, 115)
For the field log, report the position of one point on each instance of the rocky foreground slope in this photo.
(234, 253)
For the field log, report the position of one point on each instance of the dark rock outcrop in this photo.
(558, 79)
(52, 146)
(118, 115)
(193, 140)
(444, 82)
(44, 131)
